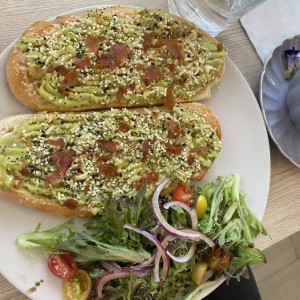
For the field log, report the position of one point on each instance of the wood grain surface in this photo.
(283, 208)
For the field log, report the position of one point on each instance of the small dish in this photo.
(274, 91)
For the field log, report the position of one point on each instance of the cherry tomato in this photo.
(219, 260)
(201, 206)
(78, 287)
(62, 265)
(183, 194)
(198, 272)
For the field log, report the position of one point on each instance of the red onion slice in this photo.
(193, 235)
(160, 248)
(117, 274)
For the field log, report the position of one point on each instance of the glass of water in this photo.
(213, 16)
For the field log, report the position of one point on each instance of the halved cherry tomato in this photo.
(78, 287)
(62, 265)
(218, 260)
(183, 194)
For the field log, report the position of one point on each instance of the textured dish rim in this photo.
(261, 102)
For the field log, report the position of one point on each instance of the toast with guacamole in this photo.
(71, 163)
(113, 57)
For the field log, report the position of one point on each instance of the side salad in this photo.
(167, 247)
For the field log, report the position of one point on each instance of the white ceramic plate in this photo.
(246, 151)
(274, 90)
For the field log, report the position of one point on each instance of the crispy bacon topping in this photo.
(173, 47)
(190, 158)
(26, 172)
(199, 149)
(148, 40)
(145, 150)
(71, 203)
(82, 62)
(124, 127)
(174, 130)
(132, 86)
(140, 66)
(91, 43)
(58, 143)
(151, 177)
(170, 99)
(50, 68)
(120, 93)
(107, 61)
(69, 80)
(153, 73)
(119, 52)
(62, 161)
(109, 146)
(62, 70)
(108, 169)
(173, 149)
(103, 158)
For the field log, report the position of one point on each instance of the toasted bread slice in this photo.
(69, 163)
(113, 57)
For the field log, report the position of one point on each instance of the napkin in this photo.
(270, 23)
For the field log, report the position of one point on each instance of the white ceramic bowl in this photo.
(282, 120)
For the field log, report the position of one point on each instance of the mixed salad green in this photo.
(157, 248)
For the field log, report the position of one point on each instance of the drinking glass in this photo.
(213, 16)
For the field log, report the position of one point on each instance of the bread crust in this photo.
(25, 88)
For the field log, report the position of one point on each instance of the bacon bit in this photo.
(145, 150)
(170, 99)
(124, 127)
(174, 130)
(109, 170)
(155, 114)
(62, 70)
(140, 66)
(107, 61)
(163, 55)
(120, 93)
(50, 69)
(26, 172)
(62, 161)
(82, 62)
(151, 177)
(173, 47)
(103, 158)
(69, 80)
(173, 149)
(190, 159)
(199, 149)
(53, 177)
(58, 143)
(87, 187)
(153, 73)
(132, 86)
(109, 146)
(148, 40)
(119, 52)
(172, 69)
(182, 131)
(71, 203)
(91, 43)
(154, 139)
(220, 47)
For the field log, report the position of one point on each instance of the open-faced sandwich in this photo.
(69, 163)
(113, 57)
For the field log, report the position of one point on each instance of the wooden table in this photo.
(282, 213)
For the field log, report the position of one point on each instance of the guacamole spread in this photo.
(86, 158)
(105, 58)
